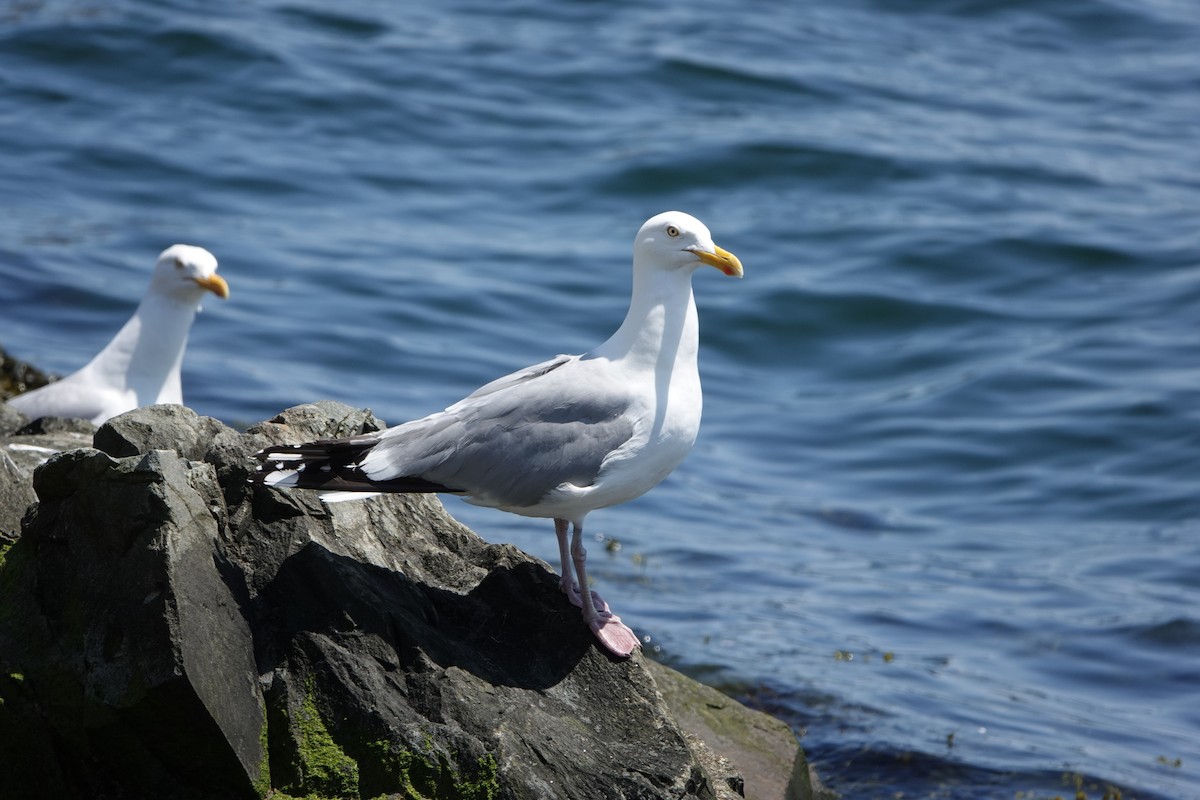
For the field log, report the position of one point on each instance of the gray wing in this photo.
(514, 440)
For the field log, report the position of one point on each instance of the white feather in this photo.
(32, 448)
(342, 497)
(285, 477)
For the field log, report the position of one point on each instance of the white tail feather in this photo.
(284, 477)
(342, 497)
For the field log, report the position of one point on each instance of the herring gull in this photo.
(141, 365)
(558, 439)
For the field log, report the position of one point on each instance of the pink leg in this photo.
(607, 627)
(566, 581)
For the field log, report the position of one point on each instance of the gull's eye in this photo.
(178, 262)
(672, 231)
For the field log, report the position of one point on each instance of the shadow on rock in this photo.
(505, 631)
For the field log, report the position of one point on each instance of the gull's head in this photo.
(186, 272)
(674, 240)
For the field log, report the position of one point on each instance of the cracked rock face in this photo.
(167, 630)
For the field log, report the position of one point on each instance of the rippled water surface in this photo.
(943, 513)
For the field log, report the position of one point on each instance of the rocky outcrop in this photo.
(16, 376)
(169, 631)
(22, 455)
(27, 445)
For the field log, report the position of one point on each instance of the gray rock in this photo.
(22, 453)
(50, 425)
(169, 427)
(169, 631)
(11, 420)
(327, 419)
(760, 757)
(142, 657)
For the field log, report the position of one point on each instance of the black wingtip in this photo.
(333, 465)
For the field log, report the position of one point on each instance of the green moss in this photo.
(13, 558)
(326, 769)
(262, 784)
(10, 684)
(433, 777)
(9, 566)
(486, 785)
(310, 765)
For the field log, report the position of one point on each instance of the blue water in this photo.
(943, 514)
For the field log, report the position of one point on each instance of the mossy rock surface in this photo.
(182, 634)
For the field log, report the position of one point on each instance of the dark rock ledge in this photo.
(169, 631)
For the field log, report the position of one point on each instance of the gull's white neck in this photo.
(147, 353)
(661, 331)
